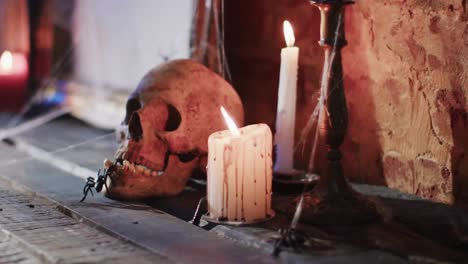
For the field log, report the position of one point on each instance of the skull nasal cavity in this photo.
(173, 118)
(134, 127)
(189, 156)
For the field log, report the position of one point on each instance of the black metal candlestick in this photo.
(333, 200)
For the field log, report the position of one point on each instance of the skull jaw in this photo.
(127, 185)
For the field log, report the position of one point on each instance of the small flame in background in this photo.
(6, 61)
(230, 123)
(288, 33)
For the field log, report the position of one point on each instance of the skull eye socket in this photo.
(134, 127)
(173, 118)
(133, 104)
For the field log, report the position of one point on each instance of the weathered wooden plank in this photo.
(162, 233)
(191, 240)
(37, 222)
(11, 251)
(141, 224)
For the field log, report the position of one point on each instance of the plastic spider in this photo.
(290, 238)
(100, 182)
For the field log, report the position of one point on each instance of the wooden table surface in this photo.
(42, 221)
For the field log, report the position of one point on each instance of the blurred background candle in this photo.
(240, 173)
(13, 64)
(14, 53)
(286, 111)
(13, 78)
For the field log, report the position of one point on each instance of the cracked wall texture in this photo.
(406, 81)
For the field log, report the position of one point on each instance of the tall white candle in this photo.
(286, 112)
(240, 173)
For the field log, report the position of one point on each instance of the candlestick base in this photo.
(295, 177)
(338, 209)
(238, 223)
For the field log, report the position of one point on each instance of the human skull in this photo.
(169, 118)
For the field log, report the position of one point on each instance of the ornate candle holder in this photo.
(333, 201)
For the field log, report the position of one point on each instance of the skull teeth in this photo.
(135, 168)
(131, 167)
(139, 168)
(107, 163)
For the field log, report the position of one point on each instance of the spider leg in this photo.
(90, 183)
(109, 175)
(105, 186)
(105, 182)
(280, 242)
(85, 192)
(84, 189)
(277, 247)
(290, 238)
(100, 182)
(293, 242)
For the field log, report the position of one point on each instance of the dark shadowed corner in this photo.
(362, 152)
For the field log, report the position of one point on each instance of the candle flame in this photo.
(230, 123)
(6, 61)
(288, 33)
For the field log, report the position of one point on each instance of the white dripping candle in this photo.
(239, 173)
(286, 111)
